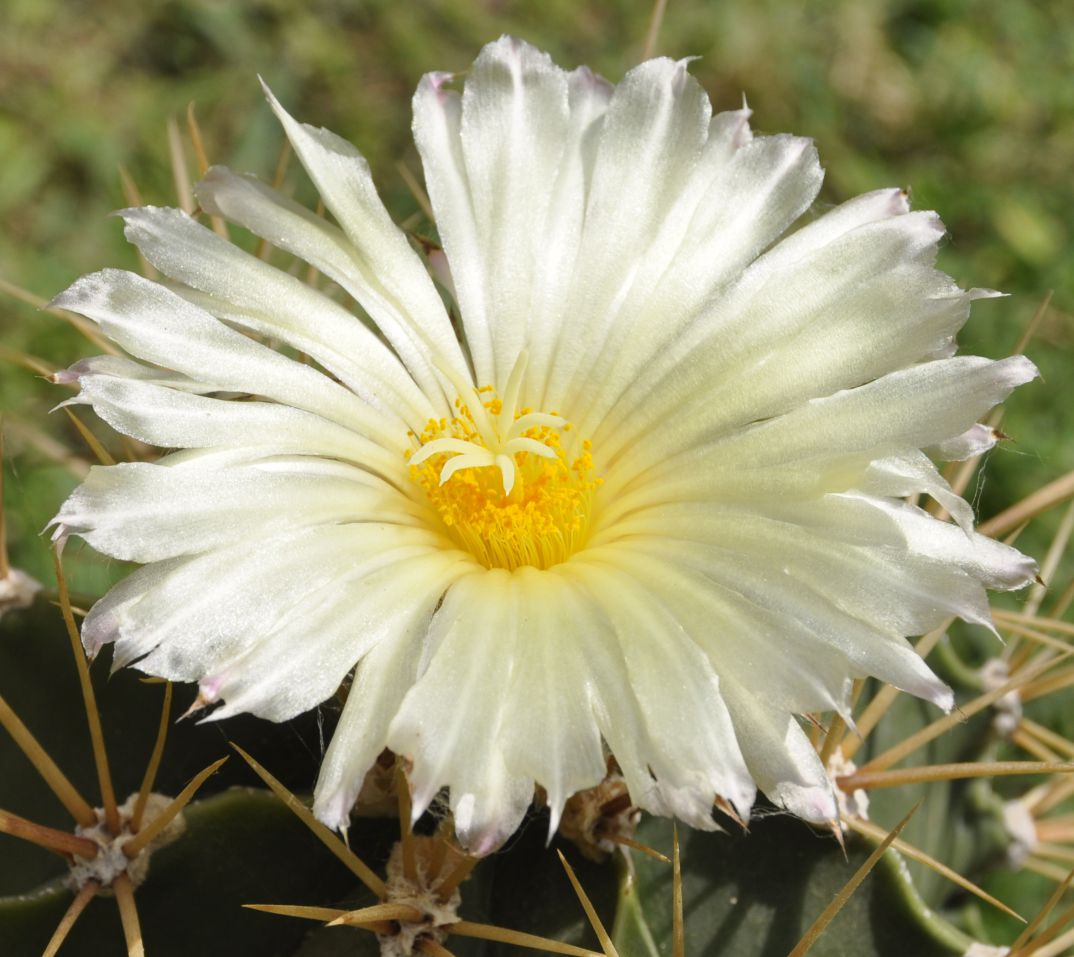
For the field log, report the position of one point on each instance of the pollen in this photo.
(512, 486)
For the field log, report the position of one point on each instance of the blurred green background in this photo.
(968, 102)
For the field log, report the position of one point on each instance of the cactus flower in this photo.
(621, 468)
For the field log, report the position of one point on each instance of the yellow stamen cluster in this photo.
(510, 500)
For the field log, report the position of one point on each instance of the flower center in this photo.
(503, 483)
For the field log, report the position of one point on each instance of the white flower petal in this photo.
(400, 295)
(864, 304)
(123, 368)
(437, 125)
(773, 180)
(486, 816)
(458, 747)
(781, 758)
(291, 227)
(867, 567)
(380, 595)
(650, 141)
(874, 207)
(694, 756)
(992, 563)
(190, 616)
(911, 473)
(104, 622)
(915, 407)
(153, 323)
(822, 445)
(705, 242)
(976, 440)
(514, 124)
(551, 319)
(498, 160)
(551, 734)
(173, 419)
(144, 513)
(381, 681)
(771, 630)
(272, 302)
(729, 131)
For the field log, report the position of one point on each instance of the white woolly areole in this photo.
(1021, 829)
(1006, 710)
(421, 894)
(17, 590)
(852, 804)
(110, 861)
